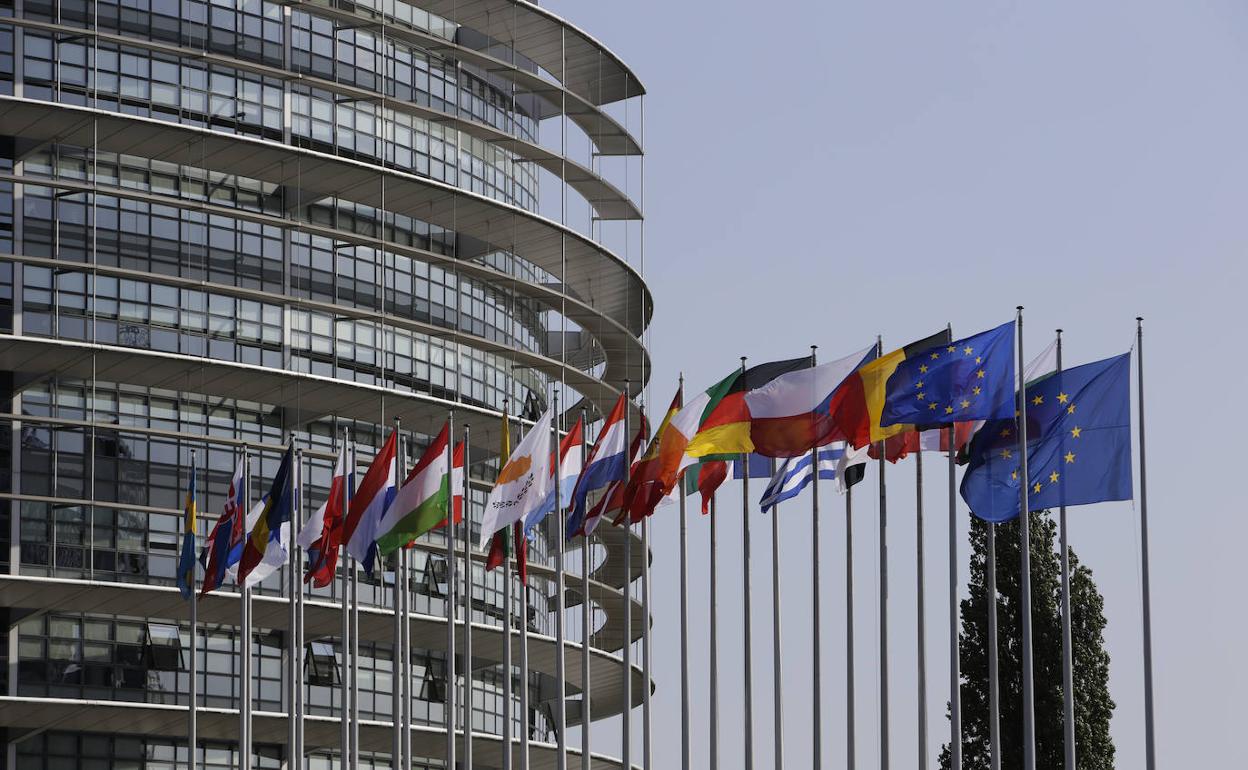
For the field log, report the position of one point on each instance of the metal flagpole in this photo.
(921, 609)
(192, 714)
(1024, 516)
(400, 674)
(955, 663)
(714, 642)
(994, 681)
(525, 701)
(344, 684)
(747, 703)
(586, 622)
(296, 636)
(879, 347)
(508, 669)
(645, 646)
(469, 581)
(1068, 672)
(561, 674)
(450, 598)
(777, 666)
(1150, 753)
(685, 752)
(292, 638)
(355, 650)
(626, 718)
(850, 727)
(816, 658)
(300, 661)
(405, 655)
(244, 696)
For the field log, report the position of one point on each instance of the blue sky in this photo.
(826, 172)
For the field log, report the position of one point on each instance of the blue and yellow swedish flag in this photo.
(186, 562)
(970, 379)
(1078, 439)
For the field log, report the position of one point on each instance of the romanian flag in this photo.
(724, 428)
(857, 404)
(186, 564)
(275, 511)
(648, 484)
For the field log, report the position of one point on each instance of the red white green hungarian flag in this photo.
(423, 500)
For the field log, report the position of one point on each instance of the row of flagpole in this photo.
(402, 744)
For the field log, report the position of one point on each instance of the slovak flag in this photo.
(226, 539)
(607, 464)
(322, 534)
(570, 464)
(369, 503)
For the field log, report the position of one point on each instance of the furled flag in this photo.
(1078, 444)
(186, 564)
(322, 534)
(724, 423)
(369, 502)
(224, 545)
(422, 502)
(794, 474)
(570, 462)
(522, 483)
(607, 464)
(791, 414)
(646, 485)
(857, 404)
(274, 511)
(705, 477)
(969, 379)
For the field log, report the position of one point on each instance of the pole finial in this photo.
(1139, 319)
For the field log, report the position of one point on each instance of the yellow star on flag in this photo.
(1053, 477)
(1036, 487)
(921, 395)
(980, 374)
(1006, 454)
(949, 410)
(931, 405)
(922, 368)
(965, 403)
(1062, 397)
(1014, 476)
(952, 348)
(967, 350)
(1005, 432)
(979, 360)
(1070, 457)
(1075, 431)
(975, 390)
(1070, 409)
(935, 355)
(1037, 401)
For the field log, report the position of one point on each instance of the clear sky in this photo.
(822, 172)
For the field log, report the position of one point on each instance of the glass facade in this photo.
(169, 262)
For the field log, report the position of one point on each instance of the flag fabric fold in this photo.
(274, 510)
(369, 503)
(1078, 444)
(647, 486)
(321, 535)
(724, 426)
(569, 470)
(421, 504)
(606, 465)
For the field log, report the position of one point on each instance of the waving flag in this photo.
(186, 564)
(607, 464)
(523, 482)
(422, 502)
(322, 534)
(274, 511)
(224, 546)
(275, 556)
(710, 474)
(794, 474)
(724, 426)
(368, 504)
(647, 485)
(570, 464)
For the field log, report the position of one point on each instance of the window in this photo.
(322, 664)
(162, 649)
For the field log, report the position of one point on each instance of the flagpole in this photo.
(301, 701)
(524, 656)
(955, 663)
(777, 666)
(747, 654)
(244, 692)
(355, 650)
(1068, 672)
(292, 641)
(850, 726)
(450, 596)
(192, 714)
(713, 678)
(626, 718)
(344, 684)
(1029, 705)
(685, 750)
(645, 646)
(405, 655)
(508, 669)
(400, 673)
(1150, 752)
(921, 608)
(469, 580)
(586, 623)
(883, 546)
(994, 681)
(296, 640)
(816, 673)
(561, 674)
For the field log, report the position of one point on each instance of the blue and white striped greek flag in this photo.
(794, 474)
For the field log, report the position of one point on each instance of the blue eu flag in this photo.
(1078, 444)
(971, 379)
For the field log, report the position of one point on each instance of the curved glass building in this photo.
(224, 223)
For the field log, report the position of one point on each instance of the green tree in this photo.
(1093, 705)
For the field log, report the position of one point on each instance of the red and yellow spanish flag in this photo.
(857, 404)
(646, 484)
